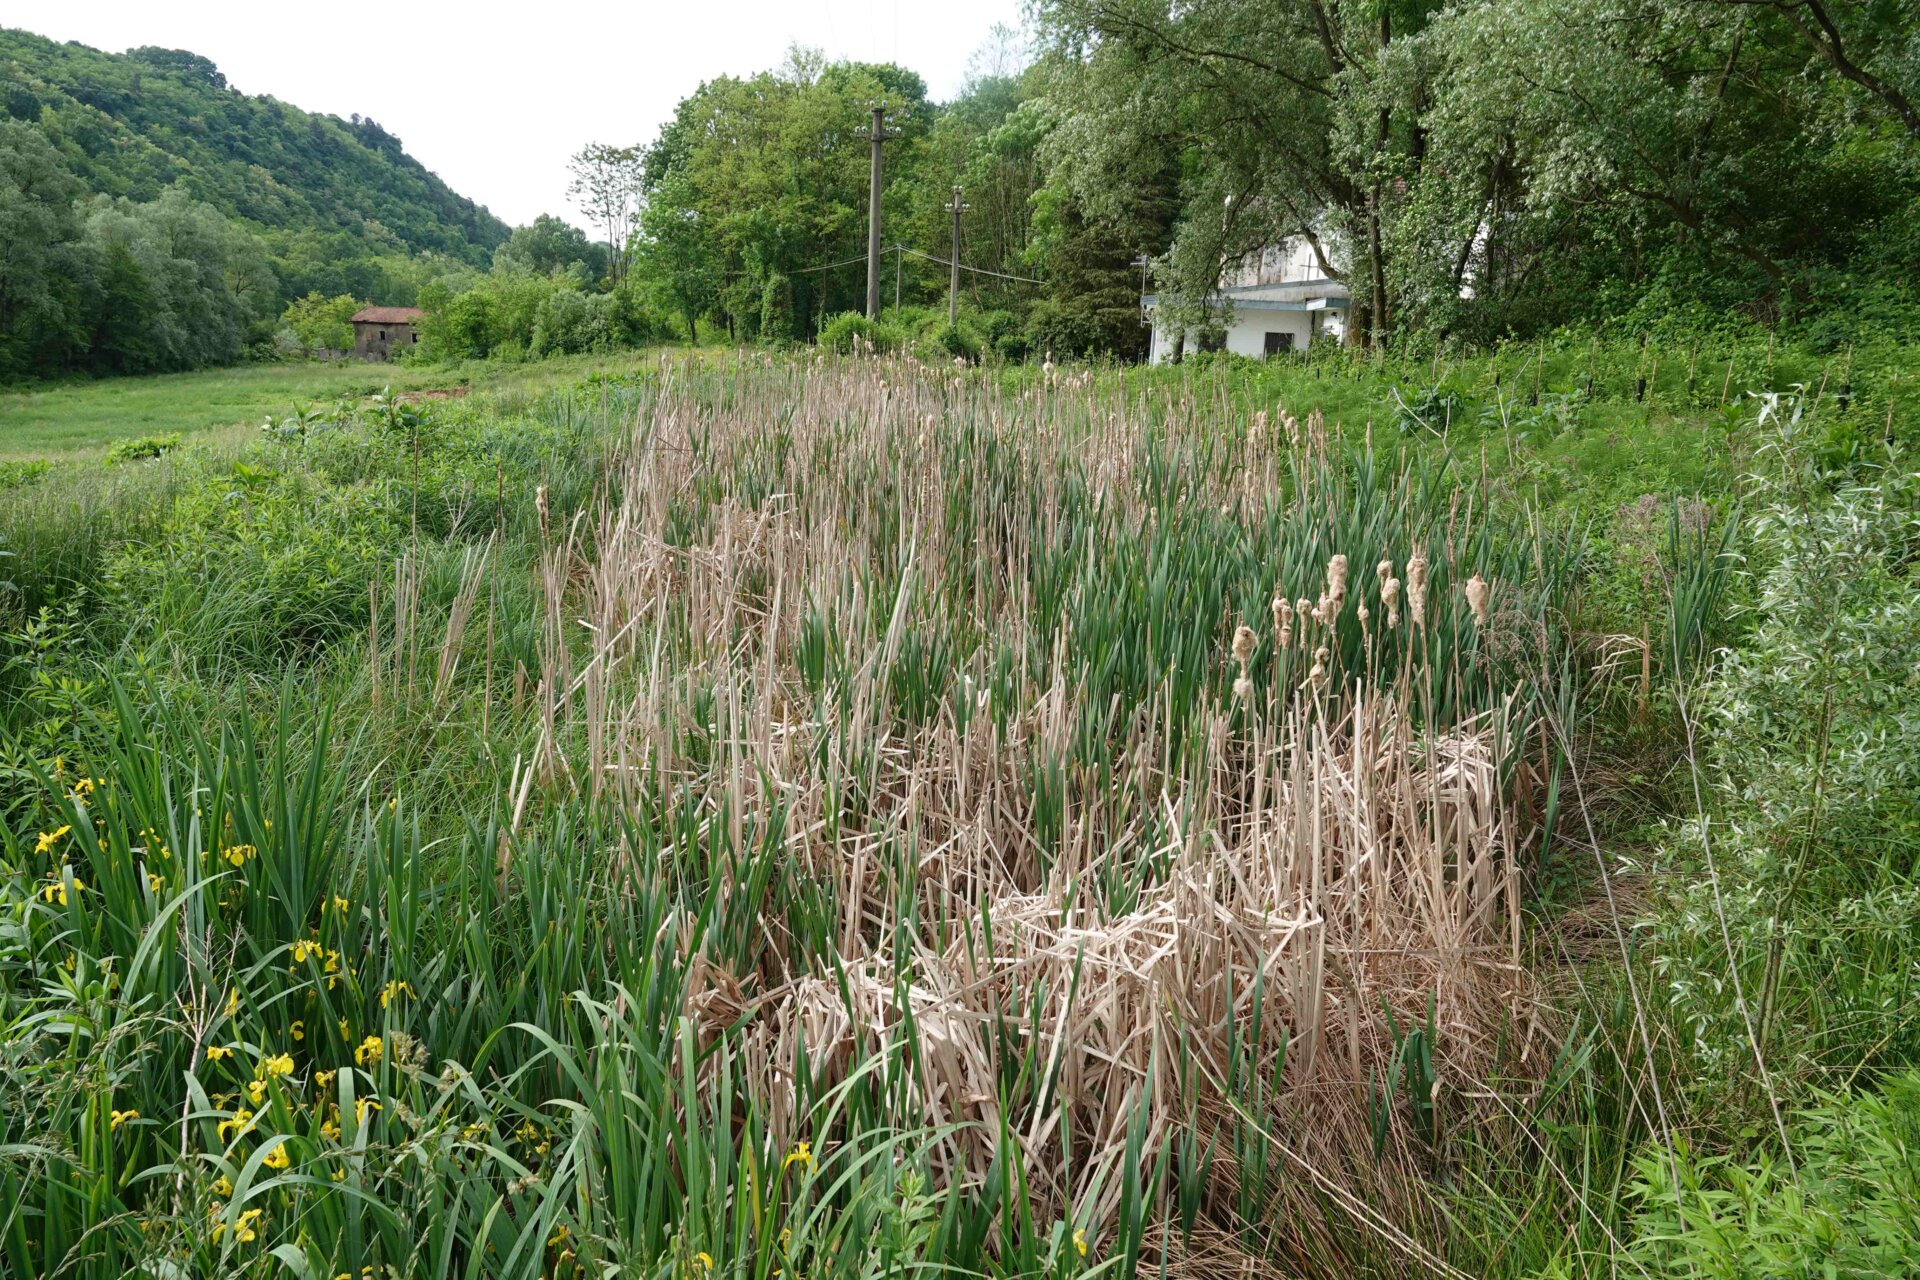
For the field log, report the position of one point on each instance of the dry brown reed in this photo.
(1332, 856)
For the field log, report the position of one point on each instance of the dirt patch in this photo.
(436, 393)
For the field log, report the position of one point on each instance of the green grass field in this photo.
(82, 418)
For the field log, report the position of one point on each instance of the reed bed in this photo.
(927, 823)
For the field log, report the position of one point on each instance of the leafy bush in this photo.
(1851, 1207)
(142, 447)
(14, 474)
(322, 323)
(851, 332)
(1802, 894)
(957, 341)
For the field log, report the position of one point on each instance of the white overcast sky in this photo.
(494, 97)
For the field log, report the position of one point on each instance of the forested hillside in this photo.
(152, 218)
(136, 123)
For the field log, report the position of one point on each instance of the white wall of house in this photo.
(1247, 335)
(1282, 290)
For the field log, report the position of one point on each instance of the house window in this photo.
(383, 335)
(1278, 342)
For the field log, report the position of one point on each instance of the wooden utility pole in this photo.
(877, 136)
(956, 207)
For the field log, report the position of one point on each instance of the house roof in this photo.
(1329, 303)
(387, 315)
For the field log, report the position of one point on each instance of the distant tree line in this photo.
(153, 218)
(1474, 171)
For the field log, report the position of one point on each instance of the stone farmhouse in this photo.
(378, 332)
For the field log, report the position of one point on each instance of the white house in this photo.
(1282, 301)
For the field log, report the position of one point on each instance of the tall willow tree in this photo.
(1289, 118)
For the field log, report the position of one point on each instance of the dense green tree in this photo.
(41, 267)
(548, 245)
(1283, 113)
(765, 179)
(1493, 166)
(204, 288)
(322, 323)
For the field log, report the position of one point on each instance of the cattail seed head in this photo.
(1243, 642)
(1390, 599)
(1304, 608)
(1319, 671)
(1417, 589)
(1337, 576)
(1383, 570)
(1243, 689)
(1478, 590)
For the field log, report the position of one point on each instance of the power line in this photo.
(801, 271)
(979, 271)
(901, 248)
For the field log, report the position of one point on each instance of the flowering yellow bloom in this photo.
(304, 948)
(83, 788)
(233, 1001)
(363, 1106)
(222, 1187)
(802, 1154)
(368, 1054)
(277, 1158)
(48, 839)
(299, 1030)
(705, 1260)
(338, 1175)
(392, 991)
(323, 1079)
(215, 1053)
(238, 854)
(242, 1226)
(340, 904)
(56, 889)
(1080, 1242)
(257, 1091)
(236, 1124)
(330, 1127)
(281, 1064)
(154, 882)
(344, 1034)
(120, 1117)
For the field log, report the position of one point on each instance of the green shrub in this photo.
(957, 341)
(1850, 1206)
(1784, 914)
(15, 474)
(850, 332)
(143, 447)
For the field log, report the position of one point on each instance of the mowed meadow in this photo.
(776, 815)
